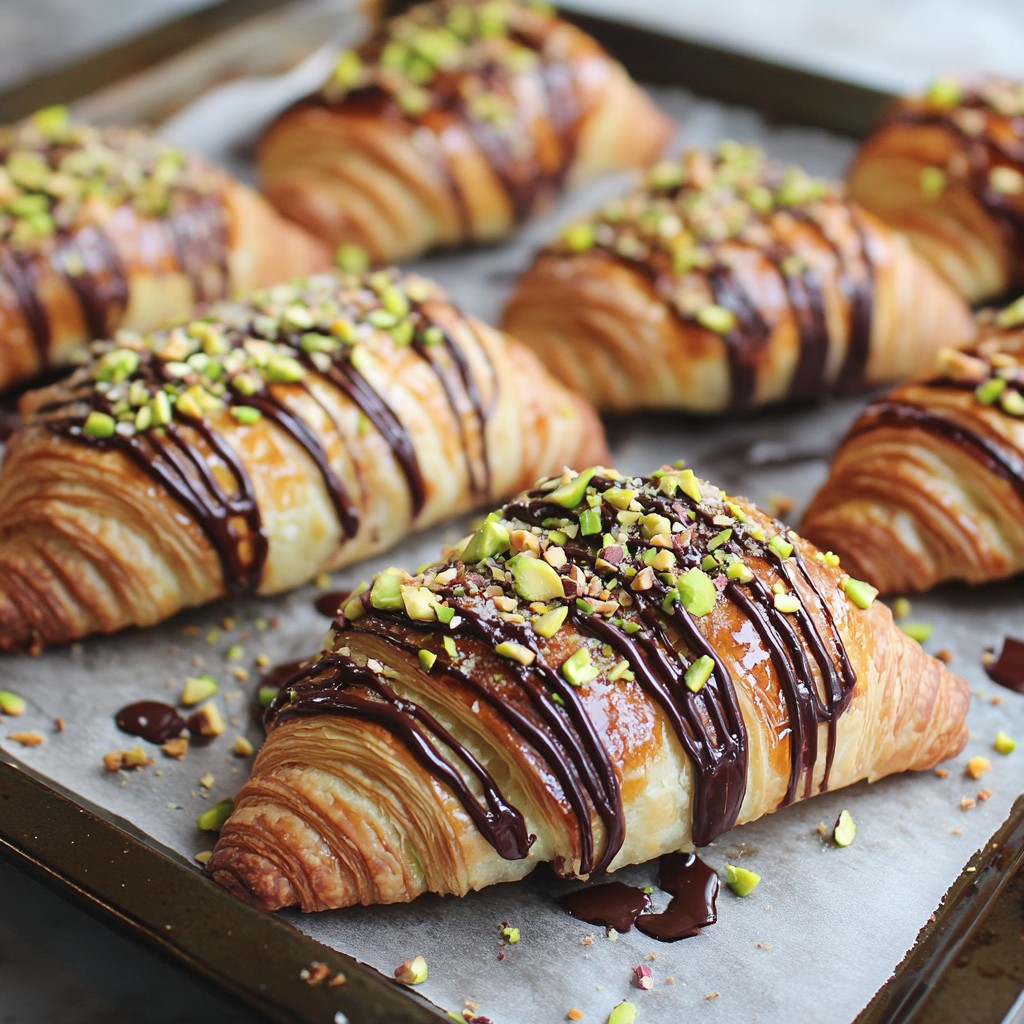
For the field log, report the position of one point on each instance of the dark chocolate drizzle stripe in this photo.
(804, 292)
(328, 689)
(708, 724)
(995, 455)
(90, 263)
(21, 273)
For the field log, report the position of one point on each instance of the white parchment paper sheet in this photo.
(825, 928)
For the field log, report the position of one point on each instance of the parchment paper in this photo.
(826, 927)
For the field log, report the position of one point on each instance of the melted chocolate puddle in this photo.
(611, 905)
(328, 604)
(694, 889)
(151, 720)
(1008, 668)
(692, 885)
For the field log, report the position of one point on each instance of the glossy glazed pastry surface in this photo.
(947, 169)
(609, 669)
(458, 120)
(104, 228)
(308, 427)
(730, 282)
(928, 485)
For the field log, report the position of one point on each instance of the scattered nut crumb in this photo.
(587, 940)
(412, 972)
(945, 655)
(670, 980)
(242, 747)
(967, 803)
(650, 956)
(177, 747)
(643, 977)
(203, 856)
(319, 974)
(711, 996)
(134, 758)
(27, 739)
(574, 1014)
(983, 795)
(207, 781)
(956, 831)
(977, 766)
(942, 773)
(262, 660)
(207, 721)
(59, 723)
(996, 700)
(766, 946)
(822, 829)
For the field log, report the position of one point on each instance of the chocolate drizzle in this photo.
(691, 231)
(611, 905)
(281, 338)
(151, 720)
(656, 636)
(694, 890)
(1008, 668)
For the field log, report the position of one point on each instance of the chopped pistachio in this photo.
(590, 522)
(510, 935)
(621, 670)
(99, 424)
(699, 673)
(548, 624)
(427, 659)
(412, 972)
(578, 669)
(655, 525)
(245, 414)
(12, 704)
(214, 818)
(901, 608)
(1012, 403)
(989, 391)
(265, 695)
(580, 238)
(449, 646)
(243, 747)
(697, 592)
(919, 631)
(534, 579)
(932, 182)
(1004, 744)
(742, 881)
(845, 829)
(207, 721)
(282, 369)
(620, 497)
(624, 1013)
(740, 572)
(570, 494)
(418, 602)
(198, 688)
(978, 766)
(787, 603)
(860, 593)
(944, 92)
(444, 612)
(780, 546)
(515, 652)
(719, 539)
(386, 592)
(716, 318)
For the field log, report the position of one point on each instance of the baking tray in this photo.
(131, 878)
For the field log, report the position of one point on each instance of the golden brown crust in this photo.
(450, 720)
(103, 229)
(947, 170)
(729, 282)
(928, 485)
(307, 428)
(454, 123)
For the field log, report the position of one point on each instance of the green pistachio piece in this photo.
(510, 935)
(944, 92)
(548, 624)
(419, 603)
(282, 369)
(578, 669)
(11, 703)
(989, 391)
(580, 237)
(624, 1013)
(117, 365)
(1003, 743)
(860, 593)
(265, 695)
(780, 546)
(590, 522)
(1006, 180)
(515, 652)
(788, 603)
(845, 829)
(655, 525)
(620, 497)
(689, 484)
(98, 424)
(198, 688)
(490, 540)
(386, 592)
(621, 670)
(450, 649)
(665, 175)
(699, 673)
(427, 659)
(570, 494)
(740, 572)
(740, 880)
(213, 820)
(246, 414)
(1012, 403)
(534, 579)
(696, 591)
(444, 612)
(353, 608)
(919, 631)
(716, 318)
(933, 182)
(352, 259)
(347, 70)
(719, 539)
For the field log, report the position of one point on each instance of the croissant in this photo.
(947, 169)
(730, 282)
(457, 121)
(103, 228)
(291, 434)
(928, 484)
(609, 669)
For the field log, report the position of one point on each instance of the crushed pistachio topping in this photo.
(461, 53)
(412, 972)
(57, 175)
(669, 544)
(226, 367)
(741, 880)
(12, 704)
(993, 368)
(213, 819)
(690, 211)
(845, 829)
(1004, 743)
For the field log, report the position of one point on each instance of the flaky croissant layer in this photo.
(730, 282)
(293, 433)
(108, 228)
(928, 485)
(457, 121)
(609, 669)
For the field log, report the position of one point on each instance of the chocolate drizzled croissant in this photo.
(609, 669)
(928, 485)
(947, 169)
(104, 228)
(731, 282)
(293, 433)
(458, 120)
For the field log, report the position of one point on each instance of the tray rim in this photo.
(269, 983)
